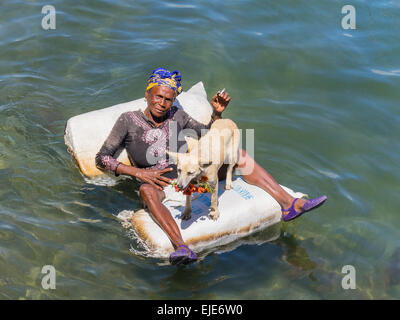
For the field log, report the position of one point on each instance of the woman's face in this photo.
(159, 100)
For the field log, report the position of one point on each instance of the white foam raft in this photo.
(244, 210)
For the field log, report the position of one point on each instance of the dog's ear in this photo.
(173, 156)
(191, 142)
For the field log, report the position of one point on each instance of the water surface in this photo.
(323, 102)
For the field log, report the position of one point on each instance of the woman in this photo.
(147, 133)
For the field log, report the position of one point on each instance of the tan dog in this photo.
(205, 157)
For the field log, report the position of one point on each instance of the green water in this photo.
(323, 102)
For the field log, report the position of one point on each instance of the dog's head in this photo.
(190, 166)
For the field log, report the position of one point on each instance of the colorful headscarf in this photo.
(162, 77)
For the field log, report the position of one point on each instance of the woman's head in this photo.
(162, 88)
(161, 77)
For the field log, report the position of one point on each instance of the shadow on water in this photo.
(129, 188)
(392, 269)
(295, 255)
(210, 270)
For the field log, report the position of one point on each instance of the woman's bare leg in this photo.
(153, 199)
(254, 174)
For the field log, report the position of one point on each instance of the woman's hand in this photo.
(154, 177)
(219, 102)
(151, 176)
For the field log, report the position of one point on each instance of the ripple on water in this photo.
(323, 103)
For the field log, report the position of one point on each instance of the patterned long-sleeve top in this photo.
(145, 143)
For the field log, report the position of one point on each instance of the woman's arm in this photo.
(215, 116)
(105, 157)
(219, 102)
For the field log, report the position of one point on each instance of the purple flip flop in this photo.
(308, 206)
(182, 256)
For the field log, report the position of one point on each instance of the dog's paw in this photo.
(186, 215)
(228, 186)
(214, 214)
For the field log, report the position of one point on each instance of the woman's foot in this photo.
(183, 255)
(299, 206)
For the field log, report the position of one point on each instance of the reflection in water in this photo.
(392, 273)
(295, 255)
(192, 278)
(204, 274)
(129, 188)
